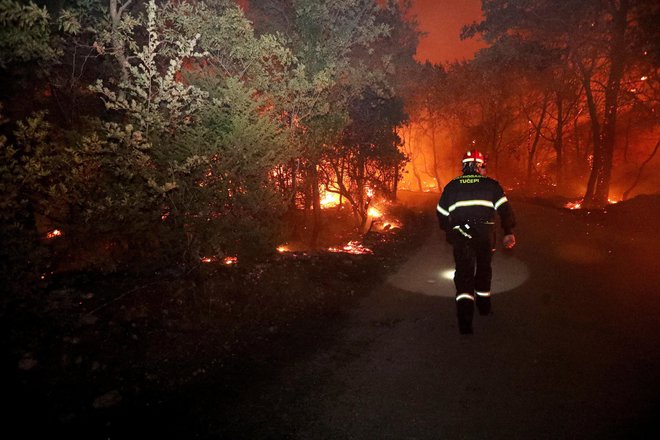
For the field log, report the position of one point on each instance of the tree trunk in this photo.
(534, 145)
(559, 140)
(639, 172)
(316, 204)
(116, 13)
(595, 136)
(603, 167)
(436, 174)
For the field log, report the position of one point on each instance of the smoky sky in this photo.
(442, 20)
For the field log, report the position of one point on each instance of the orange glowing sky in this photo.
(442, 20)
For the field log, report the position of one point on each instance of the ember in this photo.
(373, 212)
(353, 247)
(230, 260)
(54, 233)
(574, 205)
(207, 259)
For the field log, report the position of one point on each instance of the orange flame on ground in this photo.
(227, 260)
(54, 233)
(230, 260)
(282, 249)
(578, 203)
(574, 205)
(353, 247)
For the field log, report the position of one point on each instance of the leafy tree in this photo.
(344, 47)
(202, 109)
(367, 159)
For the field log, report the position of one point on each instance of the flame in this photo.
(353, 247)
(373, 212)
(230, 261)
(574, 205)
(329, 199)
(227, 260)
(370, 192)
(282, 249)
(54, 233)
(578, 203)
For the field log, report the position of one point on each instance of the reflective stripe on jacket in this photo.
(474, 199)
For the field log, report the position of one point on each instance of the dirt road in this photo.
(572, 350)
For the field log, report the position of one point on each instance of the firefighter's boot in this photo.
(465, 311)
(483, 303)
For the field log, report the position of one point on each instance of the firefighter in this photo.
(466, 212)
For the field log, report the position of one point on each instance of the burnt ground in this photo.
(329, 346)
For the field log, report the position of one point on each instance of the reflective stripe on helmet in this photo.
(464, 296)
(473, 156)
(442, 211)
(484, 294)
(501, 202)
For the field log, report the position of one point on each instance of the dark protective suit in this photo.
(466, 212)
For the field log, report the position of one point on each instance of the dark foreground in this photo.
(572, 352)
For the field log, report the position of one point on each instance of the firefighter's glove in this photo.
(509, 241)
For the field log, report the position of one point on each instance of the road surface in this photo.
(572, 350)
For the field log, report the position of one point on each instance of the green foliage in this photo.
(24, 33)
(153, 99)
(27, 184)
(200, 112)
(205, 144)
(225, 192)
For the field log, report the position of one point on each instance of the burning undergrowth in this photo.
(90, 341)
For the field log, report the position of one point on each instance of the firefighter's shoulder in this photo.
(489, 180)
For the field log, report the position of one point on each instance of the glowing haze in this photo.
(442, 21)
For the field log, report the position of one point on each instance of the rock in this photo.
(88, 320)
(27, 362)
(107, 400)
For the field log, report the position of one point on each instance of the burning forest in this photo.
(203, 149)
(231, 154)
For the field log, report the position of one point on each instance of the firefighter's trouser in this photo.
(473, 256)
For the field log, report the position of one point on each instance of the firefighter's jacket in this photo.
(469, 203)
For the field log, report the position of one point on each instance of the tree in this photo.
(338, 46)
(600, 40)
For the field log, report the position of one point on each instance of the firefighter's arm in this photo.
(442, 212)
(504, 210)
(507, 218)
